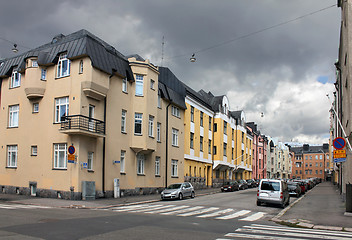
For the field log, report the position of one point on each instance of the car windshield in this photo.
(174, 186)
(271, 186)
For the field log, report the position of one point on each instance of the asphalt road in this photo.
(58, 223)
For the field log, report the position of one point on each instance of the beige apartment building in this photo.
(76, 116)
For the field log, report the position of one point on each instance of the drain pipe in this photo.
(167, 142)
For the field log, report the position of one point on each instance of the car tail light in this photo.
(258, 193)
(281, 195)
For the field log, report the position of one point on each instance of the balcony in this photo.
(82, 125)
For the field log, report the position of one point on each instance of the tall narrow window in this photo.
(174, 168)
(151, 126)
(140, 163)
(225, 149)
(157, 166)
(80, 66)
(13, 115)
(15, 79)
(159, 100)
(34, 150)
(201, 144)
(123, 121)
(60, 155)
(201, 119)
(124, 85)
(158, 132)
(191, 141)
(210, 124)
(61, 108)
(139, 85)
(174, 137)
(35, 107)
(90, 160)
(225, 128)
(122, 161)
(138, 123)
(63, 66)
(43, 75)
(152, 84)
(209, 147)
(192, 114)
(12, 156)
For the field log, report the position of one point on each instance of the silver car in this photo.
(178, 191)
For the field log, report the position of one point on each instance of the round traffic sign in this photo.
(71, 150)
(339, 143)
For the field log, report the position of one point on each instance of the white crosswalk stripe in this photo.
(257, 231)
(187, 211)
(20, 206)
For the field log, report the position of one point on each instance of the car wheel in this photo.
(193, 194)
(258, 203)
(283, 205)
(180, 196)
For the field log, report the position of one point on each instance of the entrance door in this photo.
(91, 117)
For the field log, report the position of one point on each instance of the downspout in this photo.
(167, 142)
(103, 165)
(212, 152)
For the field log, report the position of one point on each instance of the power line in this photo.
(255, 32)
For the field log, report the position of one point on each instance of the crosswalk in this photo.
(21, 206)
(188, 211)
(257, 231)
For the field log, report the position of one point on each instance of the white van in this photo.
(273, 192)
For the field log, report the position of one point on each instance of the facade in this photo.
(79, 94)
(343, 101)
(310, 161)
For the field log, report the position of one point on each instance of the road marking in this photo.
(134, 207)
(155, 207)
(234, 215)
(198, 212)
(18, 206)
(168, 209)
(182, 210)
(253, 217)
(214, 214)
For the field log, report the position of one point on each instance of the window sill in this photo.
(175, 146)
(157, 176)
(125, 92)
(62, 77)
(124, 132)
(60, 169)
(12, 127)
(90, 170)
(122, 173)
(11, 167)
(15, 87)
(174, 176)
(140, 174)
(151, 137)
(137, 134)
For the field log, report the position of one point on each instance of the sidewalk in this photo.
(320, 208)
(97, 203)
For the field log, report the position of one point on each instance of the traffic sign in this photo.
(339, 143)
(339, 153)
(71, 149)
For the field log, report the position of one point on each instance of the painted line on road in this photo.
(235, 215)
(198, 212)
(253, 217)
(214, 214)
(182, 210)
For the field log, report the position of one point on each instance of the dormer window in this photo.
(63, 66)
(15, 79)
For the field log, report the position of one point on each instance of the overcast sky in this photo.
(268, 56)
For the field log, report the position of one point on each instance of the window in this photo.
(140, 163)
(124, 85)
(201, 119)
(225, 149)
(90, 160)
(139, 85)
(174, 172)
(34, 150)
(152, 84)
(13, 115)
(174, 137)
(214, 150)
(225, 128)
(151, 126)
(233, 134)
(80, 67)
(316, 157)
(215, 127)
(123, 121)
(158, 132)
(175, 111)
(159, 100)
(34, 63)
(138, 123)
(63, 66)
(122, 161)
(201, 144)
(192, 114)
(209, 147)
(61, 108)
(157, 166)
(15, 79)
(12, 156)
(191, 141)
(43, 75)
(35, 107)
(209, 123)
(232, 153)
(60, 155)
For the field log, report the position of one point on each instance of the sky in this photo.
(274, 57)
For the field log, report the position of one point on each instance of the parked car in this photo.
(272, 191)
(294, 189)
(303, 186)
(251, 183)
(243, 184)
(230, 187)
(178, 191)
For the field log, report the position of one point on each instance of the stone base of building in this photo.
(197, 182)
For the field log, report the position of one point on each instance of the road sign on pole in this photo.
(339, 143)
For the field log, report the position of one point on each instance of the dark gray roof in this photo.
(136, 56)
(309, 150)
(198, 97)
(81, 43)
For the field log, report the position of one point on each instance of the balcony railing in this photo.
(79, 124)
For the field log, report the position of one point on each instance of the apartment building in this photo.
(77, 115)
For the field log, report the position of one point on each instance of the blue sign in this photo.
(339, 143)
(117, 161)
(338, 160)
(71, 161)
(85, 165)
(71, 149)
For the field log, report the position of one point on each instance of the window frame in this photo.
(174, 168)
(15, 79)
(192, 114)
(123, 120)
(201, 118)
(12, 156)
(43, 74)
(81, 67)
(14, 112)
(175, 137)
(122, 161)
(62, 62)
(201, 144)
(157, 166)
(140, 163)
(124, 85)
(90, 161)
(139, 85)
(35, 107)
(191, 140)
(158, 131)
(34, 150)
(151, 126)
(57, 153)
(138, 121)
(58, 115)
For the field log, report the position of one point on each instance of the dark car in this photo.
(303, 186)
(243, 184)
(230, 187)
(251, 183)
(294, 189)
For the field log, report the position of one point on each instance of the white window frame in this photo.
(225, 150)
(35, 107)
(140, 163)
(191, 141)
(12, 156)
(14, 112)
(61, 102)
(80, 71)
(157, 166)
(90, 161)
(158, 132)
(175, 111)
(60, 155)
(124, 85)
(151, 126)
(138, 121)
(122, 161)
(152, 84)
(61, 70)
(43, 74)
(192, 114)
(159, 100)
(15, 79)
(201, 144)
(139, 85)
(174, 168)
(201, 118)
(123, 120)
(35, 63)
(34, 150)
(174, 137)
